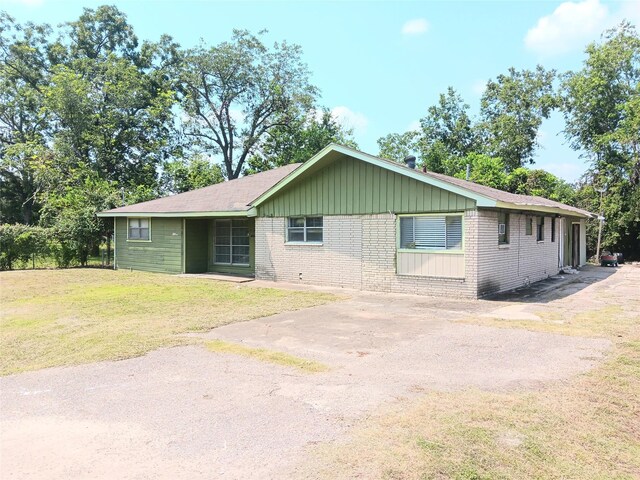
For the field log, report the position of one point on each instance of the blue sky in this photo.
(381, 64)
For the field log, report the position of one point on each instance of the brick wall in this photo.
(337, 262)
(524, 259)
(359, 251)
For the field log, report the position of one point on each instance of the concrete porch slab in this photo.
(221, 277)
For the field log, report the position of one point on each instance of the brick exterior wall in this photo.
(359, 251)
(524, 259)
(337, 262)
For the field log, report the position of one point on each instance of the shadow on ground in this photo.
(556, 287)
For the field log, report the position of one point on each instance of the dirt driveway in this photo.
(190, 413)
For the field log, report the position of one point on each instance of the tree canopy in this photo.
(234, 93)
(91, 117)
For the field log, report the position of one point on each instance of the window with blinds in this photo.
(433, 232)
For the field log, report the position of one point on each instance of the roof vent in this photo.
(410, 160)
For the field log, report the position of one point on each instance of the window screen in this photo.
(231, 242)
(431, 232)
(139, 229)
(305, 229)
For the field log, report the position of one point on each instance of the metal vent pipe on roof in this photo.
(410, 160)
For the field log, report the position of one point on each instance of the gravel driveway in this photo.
(189, 413)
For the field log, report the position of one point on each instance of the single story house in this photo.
(345, 218)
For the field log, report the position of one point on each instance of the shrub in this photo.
(22, 243)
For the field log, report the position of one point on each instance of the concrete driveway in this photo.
(190, 413)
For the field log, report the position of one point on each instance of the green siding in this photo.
(351, 187)
(162, 254)
(196, 245)
(233, 269)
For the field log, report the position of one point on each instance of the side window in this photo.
(305, 229)
(503, 228)
(540, 229)
(553, 229)
(138, 229)
(431, 232)
(529, 226)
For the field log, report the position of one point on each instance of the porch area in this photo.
(220, 245)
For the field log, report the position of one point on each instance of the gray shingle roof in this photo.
(502, 196)
(232, 196)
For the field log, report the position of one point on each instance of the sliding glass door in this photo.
(231, 242)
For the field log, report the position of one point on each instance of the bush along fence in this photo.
(27, 246)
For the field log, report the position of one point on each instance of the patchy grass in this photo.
(66, 317)
(586, 428)
(265, 355)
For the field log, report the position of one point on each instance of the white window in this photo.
(139, 229)
(432, 232)
(231, 242)
(305, 229)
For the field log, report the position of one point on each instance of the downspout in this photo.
(184, 245)
(115, 243)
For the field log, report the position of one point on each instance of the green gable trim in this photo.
(348, 186)
(241, 213)
(328, 154)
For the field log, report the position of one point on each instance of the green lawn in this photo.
(65, 317)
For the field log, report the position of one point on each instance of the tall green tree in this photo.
(446, 135)
(449, 125)
(181, 175)
(602, 111)
(298, 141)
(540, 183)
(25, 60)
(112, 99)
(234, 93)
(512, 109)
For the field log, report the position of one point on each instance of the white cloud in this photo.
(568, 28)
(414, 126)
(237, 115)
(416, 26)
(629, 10)
(479, 86)
(350, 119)
(569, 171)
(542, 137)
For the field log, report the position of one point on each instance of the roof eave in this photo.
(481, 200)
(545, 209)
(231, 213)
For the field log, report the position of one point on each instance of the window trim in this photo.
(423, 251)
(231, 245)
(138, 240)
(506, 233)
(304, 230)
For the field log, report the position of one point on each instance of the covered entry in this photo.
(574, 248)
(223, 245)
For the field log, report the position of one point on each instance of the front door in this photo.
(575, 245)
